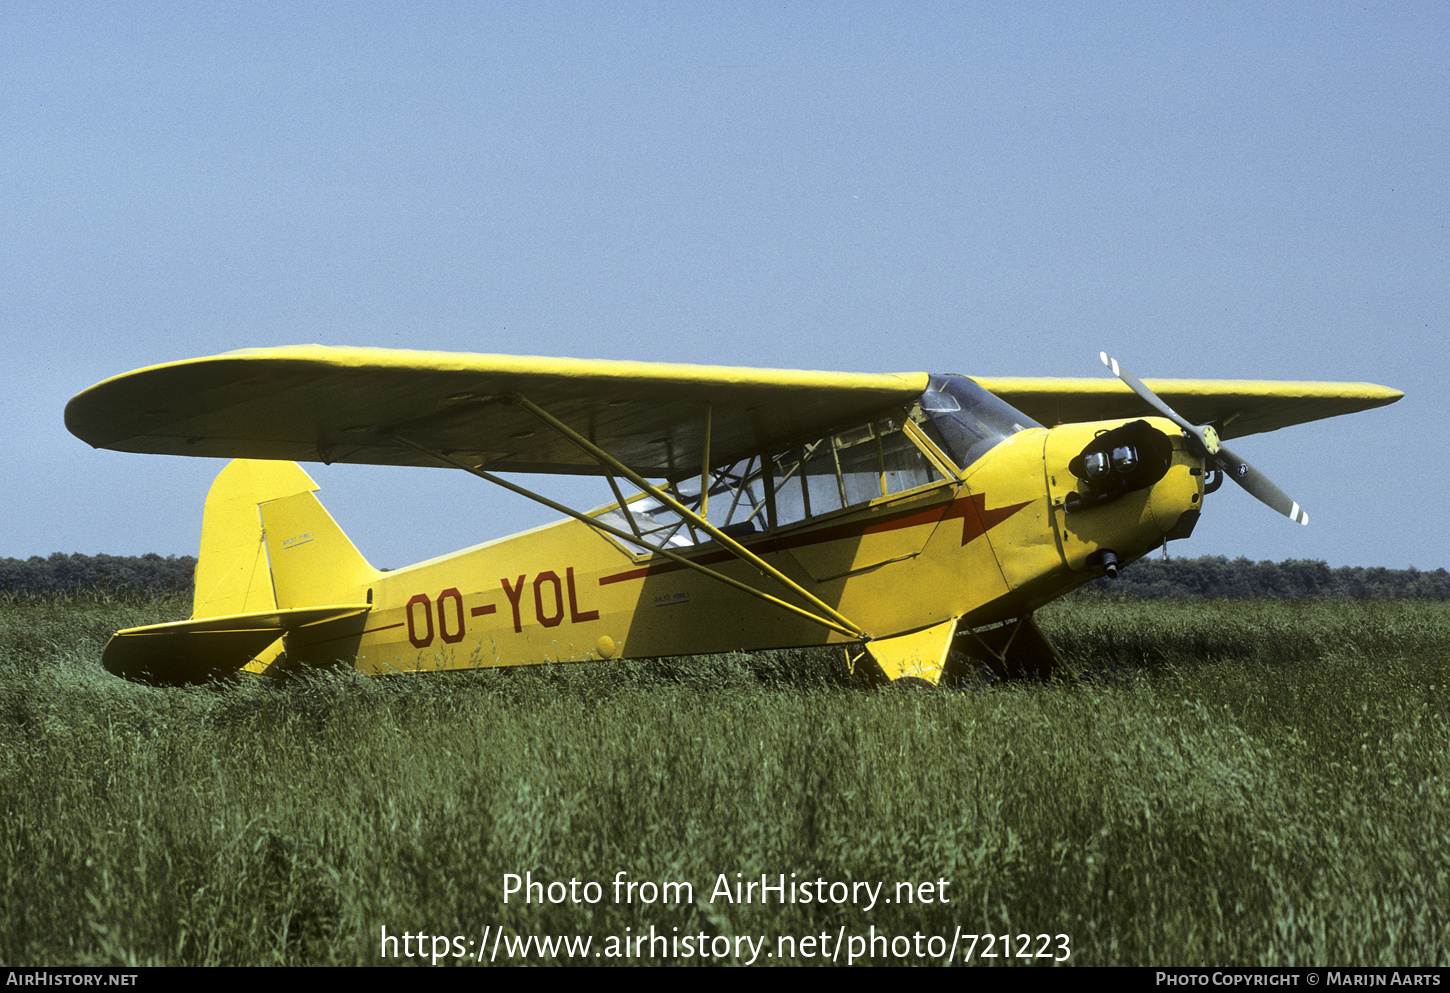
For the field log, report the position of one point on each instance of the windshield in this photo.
(971, 420)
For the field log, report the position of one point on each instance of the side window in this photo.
(842, 470)
(858, 453)
(736, 505)
(903, 465)
(847, 469)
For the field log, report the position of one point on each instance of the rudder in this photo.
(312, 561)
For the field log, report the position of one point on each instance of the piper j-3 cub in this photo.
(917, 520)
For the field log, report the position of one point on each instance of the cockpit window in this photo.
(847, 469)
(970, 420)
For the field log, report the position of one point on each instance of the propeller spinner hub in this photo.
(1210, 439)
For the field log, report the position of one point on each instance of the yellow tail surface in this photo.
(266, 542)
(313, 563)
(274, 566)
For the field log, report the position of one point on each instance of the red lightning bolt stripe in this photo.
(977, 520)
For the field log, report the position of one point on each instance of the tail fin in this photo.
(231, 572)
(267, 543)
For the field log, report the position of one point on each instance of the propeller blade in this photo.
(1147, 394)
(1259, 485)
(1206, 436)
(1239, 470)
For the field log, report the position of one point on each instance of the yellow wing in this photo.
(311, 403)
(1239, 406)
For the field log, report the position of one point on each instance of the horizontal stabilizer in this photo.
(197, 650)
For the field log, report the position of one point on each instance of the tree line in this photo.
(62, 573)
(1244, 579)
(1154, 578)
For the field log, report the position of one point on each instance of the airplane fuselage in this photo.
(991, 543)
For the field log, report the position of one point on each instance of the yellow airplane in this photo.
(917, 520)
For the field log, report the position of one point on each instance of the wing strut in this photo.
(843, 626)
(842, 623)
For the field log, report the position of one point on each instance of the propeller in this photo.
(1212, 450)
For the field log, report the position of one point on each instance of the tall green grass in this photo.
(1251, 782)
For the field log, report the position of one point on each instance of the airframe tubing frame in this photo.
(848, 629)
(724, 540)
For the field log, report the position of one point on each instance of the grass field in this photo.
(1230, 783)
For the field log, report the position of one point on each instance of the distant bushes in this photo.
(1242, 579)
(1151, 578)
(62, 573)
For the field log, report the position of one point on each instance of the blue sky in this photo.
(1202, 190)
